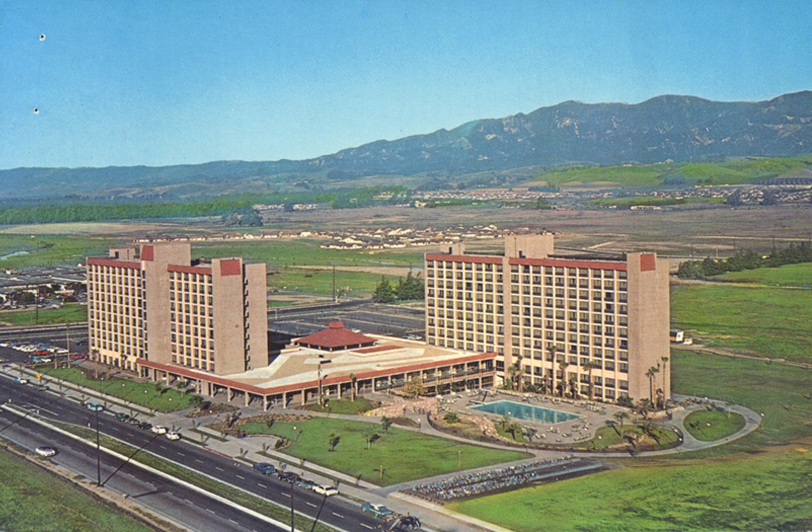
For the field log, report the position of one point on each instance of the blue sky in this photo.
(183, 82)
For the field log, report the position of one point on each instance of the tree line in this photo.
(745, 260)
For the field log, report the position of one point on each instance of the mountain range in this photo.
(677, 128)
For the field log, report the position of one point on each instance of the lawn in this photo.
(772, 322)
(791, 275)
(609, 436)
(147, 395)
(782, 393)
(712, 425)
(743, 485)
(403, 454)
(766, 492)
(313, 281)
(69, 313)
(33, 499)
(345, 406)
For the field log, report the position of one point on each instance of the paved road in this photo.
(336, 512)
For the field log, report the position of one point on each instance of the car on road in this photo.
(95, 407)
(21, 380)
(173, 435)
(377, 510)
(144, 425)
(410, 521)
(158, 429)
(307, 484)
(45, 451)
(264, 467)
(121, 416)
(289, 476)
(325, 490)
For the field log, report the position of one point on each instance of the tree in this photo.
(451, 418)
(563, 365)
(414, 387)
(385, 424)
(384, 293)
(652, 371)
(592, 364)
(333, 440)
(354, 385)
(620, 416)
(665, 367)
(516, 374)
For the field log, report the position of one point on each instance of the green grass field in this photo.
(69, 313)
(313, 281)
(717, 173)
(651, 201)
(769, 492)
(48, 250)
(404, 455)
(345, 406)
(743, 485)
(712, 425)
(32, 499)
(791, 275)
(143, 394)
(772, 322)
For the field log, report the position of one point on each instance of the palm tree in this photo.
(354, 386)
(665, 364)
(518, 374)
(552, 350)
(592, 364)
(563, 364)
(650, 374)
(385, 424)
(620, 416)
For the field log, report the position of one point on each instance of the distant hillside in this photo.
(665, 128)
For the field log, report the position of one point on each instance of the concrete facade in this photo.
(152, 303)
(593, 324)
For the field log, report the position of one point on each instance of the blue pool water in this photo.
(525, 412)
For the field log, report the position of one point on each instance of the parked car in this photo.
(144, 425)
(325, 490)
(377, 510)
(122, 417)
(264, 467)
(95, 407)
(158, 429)
(173, 435)
(289, 476)
(21, 380)
(45, 451)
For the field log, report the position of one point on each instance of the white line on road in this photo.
(219, 468)
(240, 476)
(286, 495)
(210, 511)
(338, 515)
(233, 521)
(198, 461)
(262, 485)
(181, 454)
(366, 526)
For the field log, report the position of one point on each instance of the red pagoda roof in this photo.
(334, 337)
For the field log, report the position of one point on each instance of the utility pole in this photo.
(291, 508)
(98, 452)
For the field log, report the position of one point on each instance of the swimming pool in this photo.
(525, 412)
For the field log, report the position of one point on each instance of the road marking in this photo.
(219, 468)
(210, 511)
(262, 485)
(286, 495)
(180, 453)
(233, 521)
(311, 504)
(338, 515)
(198, 461)
(162, 446)
(365, 526)
(240, 476)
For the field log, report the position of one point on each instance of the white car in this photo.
(173, 435)
(158, 429)
(45, 451)
(325, 490)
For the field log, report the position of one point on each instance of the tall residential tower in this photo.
(153, 305)
(561, 320)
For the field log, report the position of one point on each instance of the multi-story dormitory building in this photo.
(603, 318)
(152, 306)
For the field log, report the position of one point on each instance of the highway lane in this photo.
(336, 512)
(164, 496)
